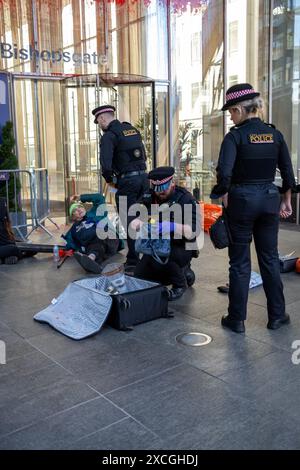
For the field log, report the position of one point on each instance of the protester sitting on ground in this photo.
(9, 253)
(90, 250)
(176, 271)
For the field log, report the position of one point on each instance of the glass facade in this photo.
(65, 58)
(202, 42)
(164, 70)
(198, 70)
(286, 72)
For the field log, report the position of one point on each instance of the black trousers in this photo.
(133, 187)
(253, 210)
(170, 273)
(102, 249)
(9, 250)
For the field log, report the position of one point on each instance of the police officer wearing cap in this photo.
(249, 156)
(177, 271)
(123, 163)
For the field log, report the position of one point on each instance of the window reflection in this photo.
(198, 68)
(285, 77)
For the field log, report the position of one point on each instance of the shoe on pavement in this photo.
(234, 325)
(223, 289)
(175, 293)
(279, 322)
(189, 276)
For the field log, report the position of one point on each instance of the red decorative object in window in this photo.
(177, 6)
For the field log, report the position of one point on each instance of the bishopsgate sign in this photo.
(9, 51)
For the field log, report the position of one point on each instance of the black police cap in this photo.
(161, 177)
(237, 93)
(106, 108)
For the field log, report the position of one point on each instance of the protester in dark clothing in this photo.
(82, 237)
(9, 253)
(249, 155)
(123, 164)
(176, 270)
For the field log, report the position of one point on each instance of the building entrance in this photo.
(55, 128)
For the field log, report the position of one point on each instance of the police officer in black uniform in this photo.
(177, 271)
(123, 163)
(246, 169)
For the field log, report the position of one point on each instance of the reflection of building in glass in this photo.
(285, 76)
(164, 71)
(199, 81)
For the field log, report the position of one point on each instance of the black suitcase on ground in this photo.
(131, 308)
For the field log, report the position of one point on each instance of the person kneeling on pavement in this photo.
(9, 253)
(164, 194)
(90, 250)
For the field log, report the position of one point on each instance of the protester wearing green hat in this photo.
(90, 251)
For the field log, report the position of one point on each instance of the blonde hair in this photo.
(256, 105)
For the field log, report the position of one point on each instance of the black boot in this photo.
(189, 275)
(275, 324)
(234, 325)
(175, 293)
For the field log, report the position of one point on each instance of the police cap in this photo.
(106, 108)
(237, 93)
(161, 178)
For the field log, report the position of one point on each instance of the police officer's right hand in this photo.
(225, 200)
(108, 176)
(285, 210)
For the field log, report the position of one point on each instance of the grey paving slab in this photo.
(15, 346)
(22, 323)
(62, 429)
(57, 346)
(226, 351)
(291, 290)
(125, 435)
(179, 400)
(256, 322)
(25, 364)
(107, 368)
(273, 381)
(200, 302)
(256, 430)
(42, 402)
(294, 310)
(21, 383)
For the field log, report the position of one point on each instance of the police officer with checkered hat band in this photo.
(123, 162)
(177, 270)
(249, 156)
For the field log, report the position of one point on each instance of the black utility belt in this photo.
(132, 173)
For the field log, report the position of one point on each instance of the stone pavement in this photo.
(143, 389)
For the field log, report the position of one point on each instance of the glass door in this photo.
(133, 103)
(37, 121)
(81, 135)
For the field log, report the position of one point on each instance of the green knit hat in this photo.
(73, 207)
